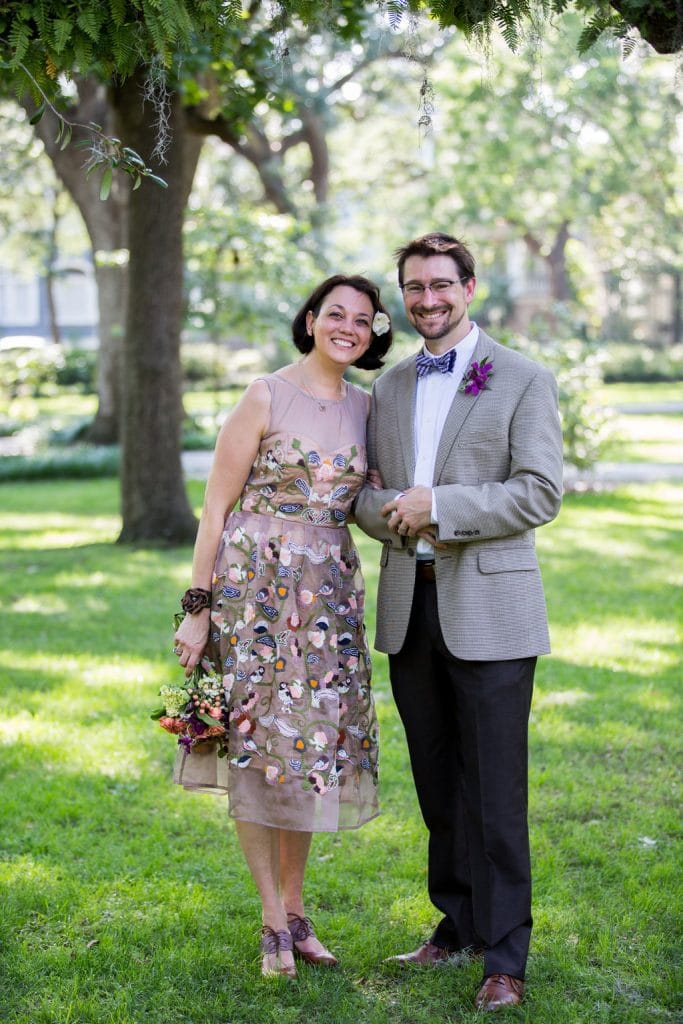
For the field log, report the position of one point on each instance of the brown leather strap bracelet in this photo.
(194, 599)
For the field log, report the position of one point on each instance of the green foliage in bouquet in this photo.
(197, 711)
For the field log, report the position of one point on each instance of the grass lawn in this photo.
(125, 900)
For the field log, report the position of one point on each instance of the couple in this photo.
(463, 460)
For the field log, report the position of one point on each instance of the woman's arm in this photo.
(236, 448)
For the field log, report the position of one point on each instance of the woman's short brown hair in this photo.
(380, 344)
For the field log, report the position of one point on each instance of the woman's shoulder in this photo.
(358, 396)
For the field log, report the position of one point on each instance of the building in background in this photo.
(35, 305)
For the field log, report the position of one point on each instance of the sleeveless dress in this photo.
(287, 631)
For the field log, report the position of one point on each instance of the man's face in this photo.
(439, 312)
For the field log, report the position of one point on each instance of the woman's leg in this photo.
(294, 850)
(261, 848)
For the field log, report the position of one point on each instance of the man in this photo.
(467, 440)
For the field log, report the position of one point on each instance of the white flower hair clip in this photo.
(381, 323)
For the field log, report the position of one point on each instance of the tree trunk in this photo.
(155, 506)
(112, 299)
(557, 261)
(107, 227)
(677, 308)
(50, 274)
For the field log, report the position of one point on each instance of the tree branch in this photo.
(257, 152)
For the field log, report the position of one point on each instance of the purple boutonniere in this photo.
(477, 377)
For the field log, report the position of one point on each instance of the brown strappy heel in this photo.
(301, 928)
(276, 942)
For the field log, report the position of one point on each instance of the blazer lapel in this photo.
(460, 409)
(405, 408)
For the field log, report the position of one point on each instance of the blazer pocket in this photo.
(507, 560)
(477, 440)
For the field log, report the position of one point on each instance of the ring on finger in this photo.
(177, 650)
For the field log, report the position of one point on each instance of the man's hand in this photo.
(409, 512)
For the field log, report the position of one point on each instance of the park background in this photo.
(126, 900)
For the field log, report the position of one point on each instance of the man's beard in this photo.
(440, 330)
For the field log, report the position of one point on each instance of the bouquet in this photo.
(197, 711)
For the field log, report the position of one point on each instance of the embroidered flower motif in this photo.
(477, 377)
(319, 740)
(325, 471)
(380, 323)
(274, 774)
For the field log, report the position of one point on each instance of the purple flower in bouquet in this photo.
(477, 377)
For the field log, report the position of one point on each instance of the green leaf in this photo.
(67, 137)
(62, 29)
(37, 114)
(105, 187)
(157, 714)
(157, 181)
(206, 719)
(133, 157)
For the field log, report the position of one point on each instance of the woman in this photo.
(283, 615)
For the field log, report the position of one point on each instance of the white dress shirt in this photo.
(435, 394)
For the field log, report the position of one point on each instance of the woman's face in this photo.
(342, 330)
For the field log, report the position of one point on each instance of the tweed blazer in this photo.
(498, 475)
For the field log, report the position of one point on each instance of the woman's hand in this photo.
(190, 639)
(374, 480)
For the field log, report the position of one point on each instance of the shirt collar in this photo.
(463, 347)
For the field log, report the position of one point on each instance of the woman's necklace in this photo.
(323, 402)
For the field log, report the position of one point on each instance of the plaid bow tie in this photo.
(425, 364)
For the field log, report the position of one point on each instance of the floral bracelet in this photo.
(194, 599)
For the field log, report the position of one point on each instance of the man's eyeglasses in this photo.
(415, 288)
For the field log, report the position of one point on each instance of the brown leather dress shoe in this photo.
(499, 990)
(300, 928)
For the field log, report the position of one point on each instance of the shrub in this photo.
(28, 371)
(641, 363)
(79, 369)
(577, 366)
(218, 366)
(54, 463)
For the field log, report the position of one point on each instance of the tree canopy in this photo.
(208, 66)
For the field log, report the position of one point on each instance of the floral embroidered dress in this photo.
(287, 631)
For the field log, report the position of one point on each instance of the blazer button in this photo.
(411, 552)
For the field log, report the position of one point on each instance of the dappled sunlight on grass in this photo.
(122, 893)
(655, 700)
(552, 699)
(47, 604)
(583, 736)
(620, 642)
(63, 532)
